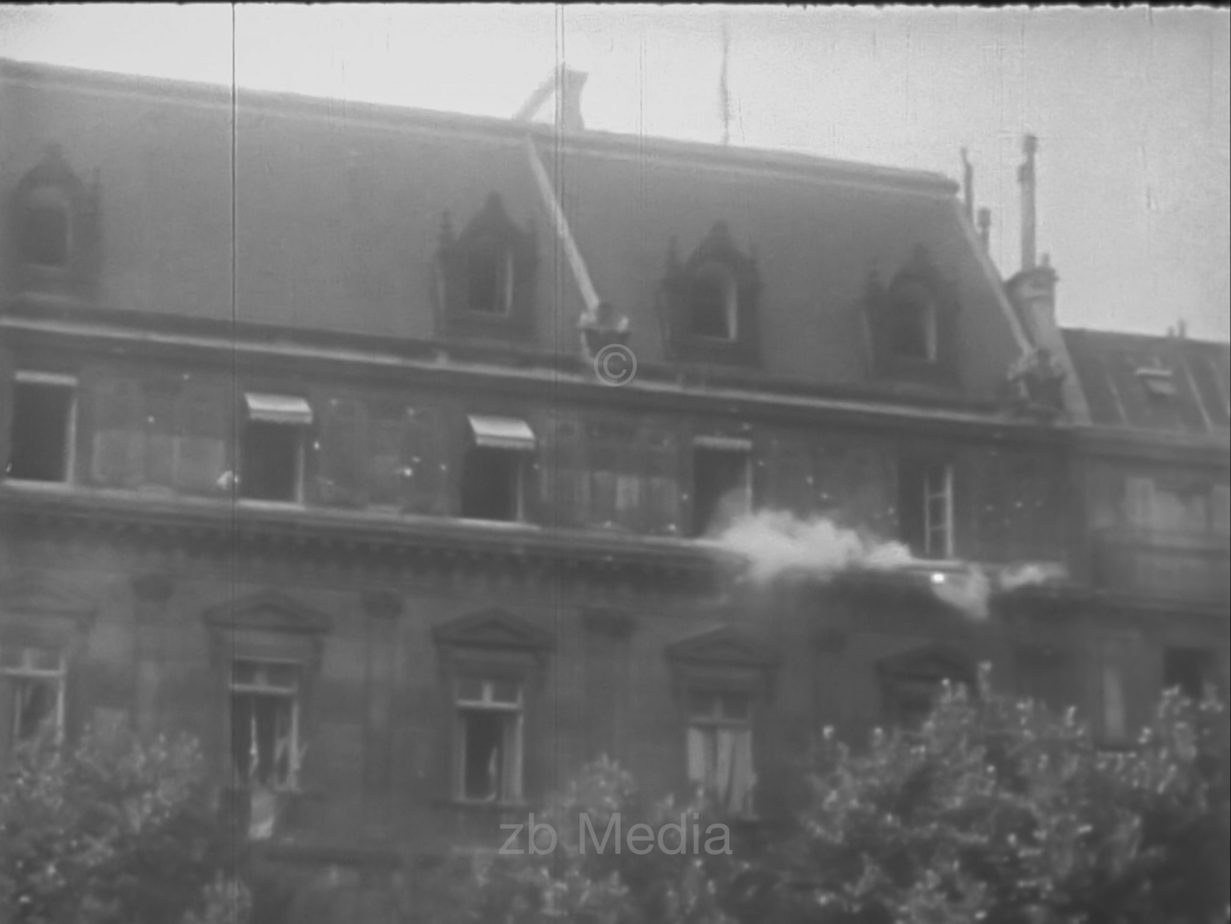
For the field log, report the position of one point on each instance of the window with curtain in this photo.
(719, 747)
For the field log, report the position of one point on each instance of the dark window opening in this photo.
(925, 509)
(1189, 670)
(271, 461)
(912, 320)
(911, 698)
(42, 415)
(712, 305)
(482, 775)
(264, 723)
(35, 707)
(722, 489)
(492, 484)
(44, 240)
(489, 275)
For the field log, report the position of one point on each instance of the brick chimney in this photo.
(1033, 289)
(571, 85)
(1025, 176)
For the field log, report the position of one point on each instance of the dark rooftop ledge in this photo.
(78, 318)
(392, 116)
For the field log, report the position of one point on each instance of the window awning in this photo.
(279, 409)
(501, 432)
(729, 443)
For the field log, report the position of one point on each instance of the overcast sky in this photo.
(1131, 106)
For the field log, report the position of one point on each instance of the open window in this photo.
(487, 274)
(489, 739)
(925, 508)
(264, 722)
(271, 464)
(32, 687)
(493, 662)
(496, 469)
(266, 654)
(709, 301)
(723, 678)
(722, 482)
(719, 746)
(43, 427)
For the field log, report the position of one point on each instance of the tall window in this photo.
(925, 508)
(488, 740)
(32, 682)
(722, 482)
(495, 469)
(1189, 670)
(912, 323)
(264, 720)
(713, 304)
(45, 229)
(43, 427)
(489, 279)
(719, 747)
(272, 447)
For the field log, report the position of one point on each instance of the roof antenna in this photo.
(724, 90)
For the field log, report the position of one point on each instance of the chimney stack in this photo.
(1025, 176)
(968, 185)
(985, 229)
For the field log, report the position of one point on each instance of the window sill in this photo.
(37, 484)
(474, 805)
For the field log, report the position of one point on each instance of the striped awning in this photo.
(729, 443)
(280, 409)
(501, 432)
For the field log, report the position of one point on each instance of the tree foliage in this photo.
(995, 811)
(111, 831)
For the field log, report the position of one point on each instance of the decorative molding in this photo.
(34, 593)
(268, 611)
(725, 646)
(492, 628)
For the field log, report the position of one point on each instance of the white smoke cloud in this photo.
(776, 543)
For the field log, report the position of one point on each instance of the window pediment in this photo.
(487, 273)
(724, 646)
(36, 594)
(268, 612)
(709, 301)
(493, 628)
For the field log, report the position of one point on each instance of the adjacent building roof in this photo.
(1153, 384)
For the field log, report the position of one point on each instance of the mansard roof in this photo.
(328, 214)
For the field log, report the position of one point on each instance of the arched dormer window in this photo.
(709, 302)
(53, 218)
(487, 274)
(913, 323)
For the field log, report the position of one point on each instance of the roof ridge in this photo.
(313, 105)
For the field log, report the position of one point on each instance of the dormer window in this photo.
(709, 301)
(487, 274)
(912, 323)
(45, 229)
(53, 220)
(1157, 381)
(713, 304)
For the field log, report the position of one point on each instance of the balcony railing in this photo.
(1186, 567)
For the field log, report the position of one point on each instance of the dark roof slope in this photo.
(1149, 383)
(286, 210)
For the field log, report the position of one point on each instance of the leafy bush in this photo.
(996, 811)
(111, 831)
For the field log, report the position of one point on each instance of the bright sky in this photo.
(1131, 106)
